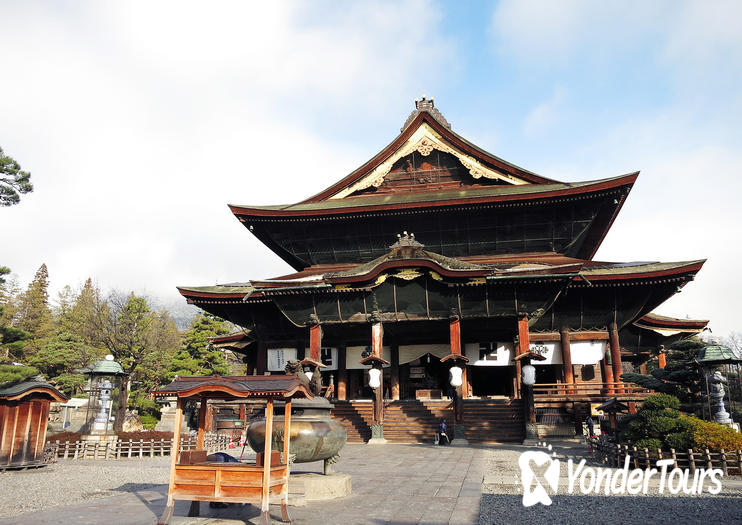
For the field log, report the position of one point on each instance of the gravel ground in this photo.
(72, 481)
(502, 498)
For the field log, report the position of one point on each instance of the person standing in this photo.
(590, 429)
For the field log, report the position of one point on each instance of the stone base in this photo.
(377, 435)
(317, 487)
(459, 436)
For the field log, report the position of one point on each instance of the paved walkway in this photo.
(402, 484)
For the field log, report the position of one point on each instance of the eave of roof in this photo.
(653, 320)
(586, 273)
(282, 387)
(451, 198)
(23, 389)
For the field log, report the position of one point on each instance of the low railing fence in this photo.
(613, 454)
(590, 389)
(130, 448)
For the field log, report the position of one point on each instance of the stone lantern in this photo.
(104, 380)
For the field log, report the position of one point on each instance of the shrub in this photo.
(648, 443)
(713, 436)
(661, 402)
(64, 436)
(149, 422)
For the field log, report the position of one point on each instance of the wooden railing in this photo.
(614, 455)
(544, 391)
(130, 449)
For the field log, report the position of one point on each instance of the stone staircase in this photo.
(494, 420)
(356, 416)
(415, 421)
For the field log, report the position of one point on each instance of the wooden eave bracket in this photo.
(311, 362)
(373, 359)
(455, 358)
(532, 355)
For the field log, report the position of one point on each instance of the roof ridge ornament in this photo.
(406, 240)
(427, 105)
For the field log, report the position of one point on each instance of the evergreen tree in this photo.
(34, 315)
(13, 180)
(681, 377)
(11, 338)
(61, 359)
(197, 356)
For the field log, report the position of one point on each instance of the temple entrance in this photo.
(491, 380)
(424, 377)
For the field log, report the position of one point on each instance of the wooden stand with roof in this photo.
(24, 414)
(194, 479)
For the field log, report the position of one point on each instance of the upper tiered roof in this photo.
(426, 179)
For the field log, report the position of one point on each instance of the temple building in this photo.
(447, 269)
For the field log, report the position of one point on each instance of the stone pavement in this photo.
(404, 484)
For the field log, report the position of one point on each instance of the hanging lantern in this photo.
(454, 376)
(374, 378)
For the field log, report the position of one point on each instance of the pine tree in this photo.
(681, 377)
(60, 360)
(13, 180)
(11, 338)
(197, 356)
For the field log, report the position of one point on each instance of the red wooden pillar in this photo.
(454, 329)
(607, 371)
(342, 385)
(395, 372)
(315, 342)
(524, 341)
(615, 353)
(662, 358)
(569, 375)
(377, 338)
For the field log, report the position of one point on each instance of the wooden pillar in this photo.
(342, 383)
(262, 358)
(518, 378)
(524, 341)
(569, 375)
(454, 330)
(201, 424)
(286, 443)
(615, 353)
(607, 371)
(174, 451)
(395, 372)
(315, 342)
(377, 339)
(265, 497)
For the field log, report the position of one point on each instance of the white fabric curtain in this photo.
(408, 353)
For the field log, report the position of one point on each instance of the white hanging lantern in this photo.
(454, 376)
(374, 378)
(529, 375)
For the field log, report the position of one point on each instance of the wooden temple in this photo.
(436, 254)
(194, 478)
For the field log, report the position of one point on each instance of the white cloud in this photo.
(544, 115)
(140, 121)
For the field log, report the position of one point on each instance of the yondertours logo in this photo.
(540, 470)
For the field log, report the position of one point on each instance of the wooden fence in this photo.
(730, 462)
(130, 449)
(589, 391)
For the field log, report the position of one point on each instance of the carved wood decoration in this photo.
(424, 141)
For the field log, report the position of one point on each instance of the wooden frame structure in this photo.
(24, 411)
(194, 479)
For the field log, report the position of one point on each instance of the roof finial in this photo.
(426, 104)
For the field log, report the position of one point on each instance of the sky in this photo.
(140, 120)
